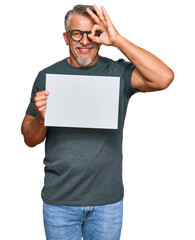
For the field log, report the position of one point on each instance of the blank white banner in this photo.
(82, 101)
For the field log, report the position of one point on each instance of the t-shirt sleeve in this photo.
(127, 70)
(129, 90)
(30, 109)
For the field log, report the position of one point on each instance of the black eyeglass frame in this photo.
(87, 32)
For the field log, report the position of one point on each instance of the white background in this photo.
(158, 145)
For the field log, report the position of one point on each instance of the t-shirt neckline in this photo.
(89, 67)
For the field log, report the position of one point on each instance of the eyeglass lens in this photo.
(77, 35)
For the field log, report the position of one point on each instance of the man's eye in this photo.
(98, 33)
(76, 34)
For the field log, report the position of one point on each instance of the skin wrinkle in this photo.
(77, 57)
(81, 61)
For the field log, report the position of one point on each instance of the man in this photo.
(83, 189)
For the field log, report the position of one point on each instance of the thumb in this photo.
(94, 38)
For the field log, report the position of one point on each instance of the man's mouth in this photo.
(84, 49)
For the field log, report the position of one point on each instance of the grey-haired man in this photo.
(83, 189)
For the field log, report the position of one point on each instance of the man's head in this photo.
(83, 52)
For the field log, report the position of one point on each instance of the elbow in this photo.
(29, 144)
(166, 80)
(26, 140)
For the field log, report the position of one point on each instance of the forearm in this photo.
(151, 67)
(34, 131)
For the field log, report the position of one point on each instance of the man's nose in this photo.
(85, 39)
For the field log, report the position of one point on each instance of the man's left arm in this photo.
(150, 73)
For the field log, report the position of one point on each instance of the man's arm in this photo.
(33, 128)
(150, 73)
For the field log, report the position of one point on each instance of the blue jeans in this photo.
(102, 222)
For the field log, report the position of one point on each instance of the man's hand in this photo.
(40, 102)
(33, 128)
(109, 34)
(150, 74)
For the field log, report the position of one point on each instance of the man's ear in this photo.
(65, 36)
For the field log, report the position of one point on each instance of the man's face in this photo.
(85, 52)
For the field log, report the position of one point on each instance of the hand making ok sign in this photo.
(109, 34)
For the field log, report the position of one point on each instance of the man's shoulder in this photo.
(53, 67)
(119, 64)
(106, 59)
(119, 61)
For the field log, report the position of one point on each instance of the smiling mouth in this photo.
(84, 50)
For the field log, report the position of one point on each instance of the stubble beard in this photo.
(85, 62)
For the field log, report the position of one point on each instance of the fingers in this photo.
(42, 93)
(100, 15)
(107, 18)
(40, 102)
(94, 36)
(96, 28)
(93, 16)
(39, 98)
(42, 109)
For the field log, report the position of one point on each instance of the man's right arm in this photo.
(33, 128)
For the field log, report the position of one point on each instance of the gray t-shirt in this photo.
(83, 166)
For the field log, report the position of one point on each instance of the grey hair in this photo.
(78, 9)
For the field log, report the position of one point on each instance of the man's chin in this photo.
(85, 62)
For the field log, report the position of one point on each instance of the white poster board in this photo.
(82, 101)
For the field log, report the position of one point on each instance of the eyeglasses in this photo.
(77, 34)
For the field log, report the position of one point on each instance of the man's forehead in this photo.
(79, 21)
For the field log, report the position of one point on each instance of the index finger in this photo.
(100, 15)
(94, 17)
(45, 92)
(105, 13)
